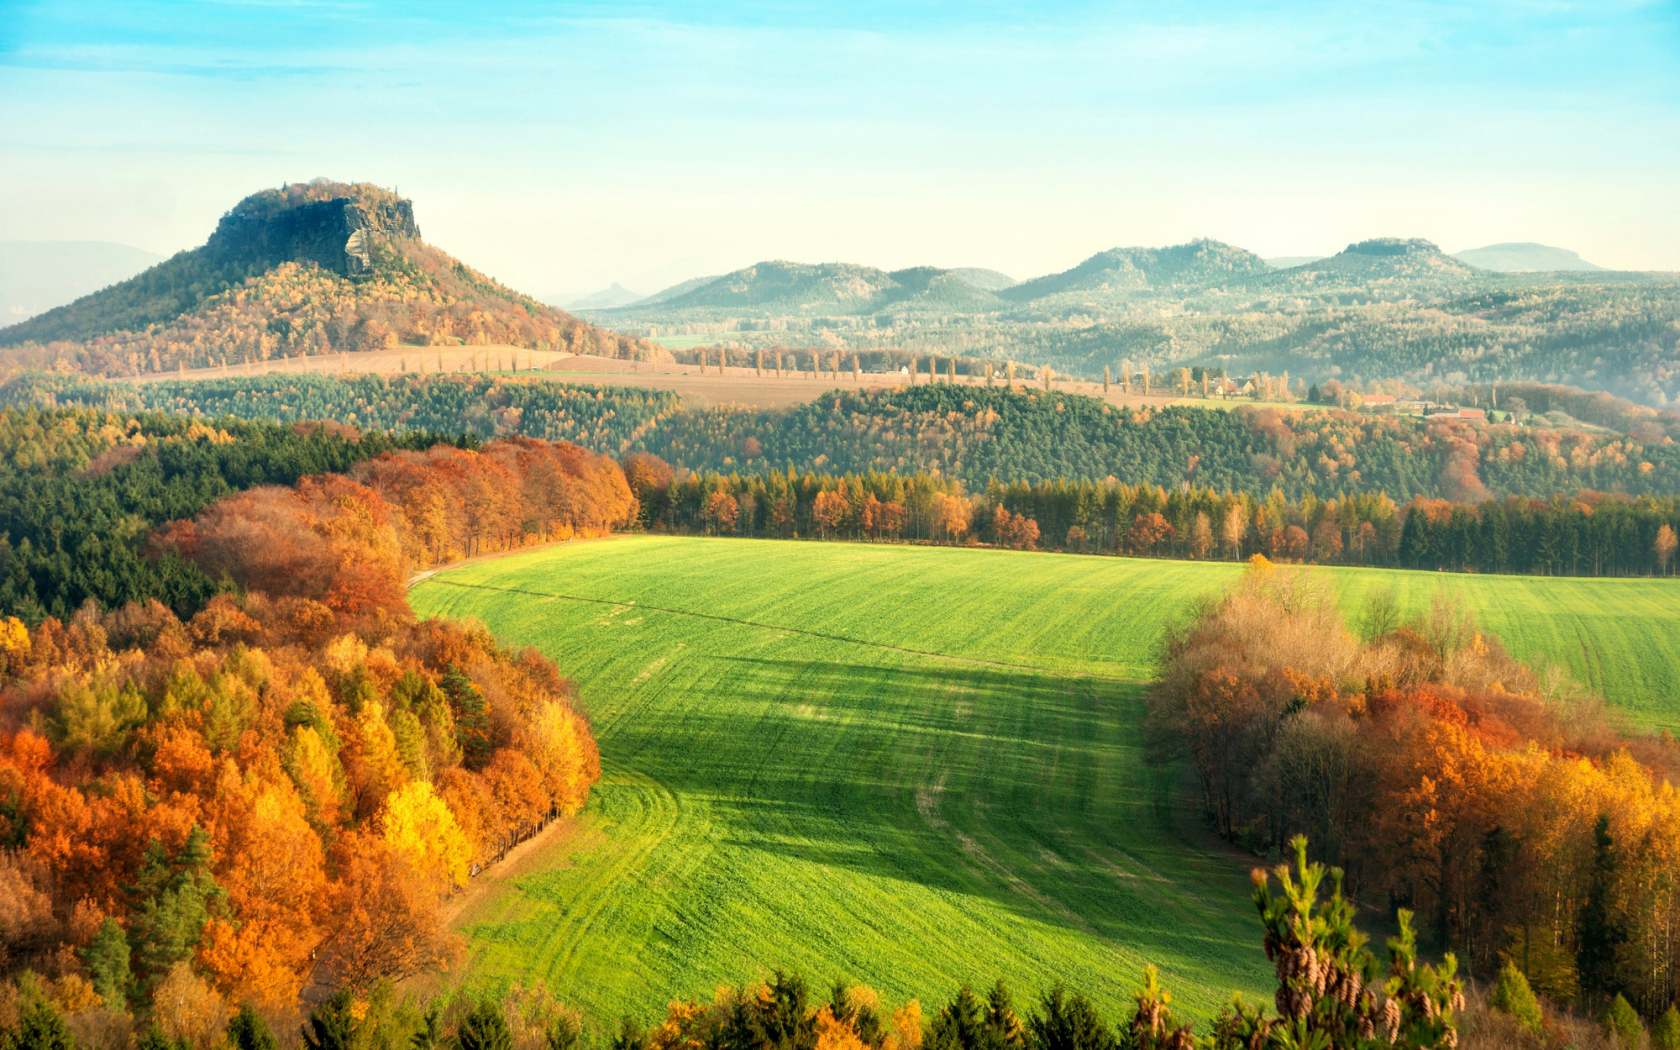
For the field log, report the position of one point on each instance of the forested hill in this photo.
(1381, 309)
(979, 434)
(308, 269)
(972, 433)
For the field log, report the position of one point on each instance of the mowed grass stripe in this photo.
(834, 802)
(1103, 615)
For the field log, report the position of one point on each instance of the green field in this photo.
(906, 766)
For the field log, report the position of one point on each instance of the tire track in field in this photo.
(824, 636)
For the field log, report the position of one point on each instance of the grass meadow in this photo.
(908, 766)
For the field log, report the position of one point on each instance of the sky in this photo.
(564, 146)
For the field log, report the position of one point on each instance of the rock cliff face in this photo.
(1391, 246)
(338, 233)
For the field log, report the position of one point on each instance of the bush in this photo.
(1512, 996)
(1665, 1034)
(1621, 1024)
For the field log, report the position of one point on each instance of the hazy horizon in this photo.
(567, 148)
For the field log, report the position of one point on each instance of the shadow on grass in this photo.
(1021, 788)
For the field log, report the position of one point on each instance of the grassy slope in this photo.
(904, 820)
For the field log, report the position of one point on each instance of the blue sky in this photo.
(565, 146)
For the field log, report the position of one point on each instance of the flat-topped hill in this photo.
(303, 270)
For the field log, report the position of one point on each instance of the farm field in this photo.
(698, 388)
(908, 767)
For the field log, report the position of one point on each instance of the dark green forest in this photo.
(80, 491)
(601, 419)
(979, 435)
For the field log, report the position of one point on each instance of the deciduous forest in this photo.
(277, 786)
(1511, 815)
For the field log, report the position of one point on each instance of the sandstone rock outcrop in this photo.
(334, 225)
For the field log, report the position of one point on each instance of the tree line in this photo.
(1590, 534)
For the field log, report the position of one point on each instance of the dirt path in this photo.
(514, 862)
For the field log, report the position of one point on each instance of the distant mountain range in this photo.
(1380, 309)
(1118, 276)
(798, 288)
(36, 276)
(605, 299)
(308, 269)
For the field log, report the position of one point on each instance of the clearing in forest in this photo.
(907, 766)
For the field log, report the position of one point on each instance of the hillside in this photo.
(606, 299)
(1385, 309)
(1196, 265)
(36, 276)
(781, 287)
(977, 435)
(1565, 442)
(1525, 257)
(1380, 261)
(311, 268)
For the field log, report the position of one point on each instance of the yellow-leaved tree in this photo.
(420, 829)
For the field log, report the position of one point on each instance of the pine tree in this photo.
(154, 1039)
(333, 1025)
(959, 1025)
(564, 1034)
(1069, 1024)
(107, 962)
(1665, 1034)
(1599, 933)
(1511, 995)
(1621, 1024)
(175, 900)
(429, 1036)
(631, 1036)
(39, 1028)
(1001, 1019)
(782, 1020)
(472, 718)
(484, 1028)
(248, 1031)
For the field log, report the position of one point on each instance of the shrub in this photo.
(1621, 1024)
(1512, 996)
(1665, 1034)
